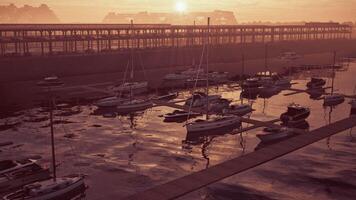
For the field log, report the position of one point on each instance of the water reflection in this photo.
(205, 139)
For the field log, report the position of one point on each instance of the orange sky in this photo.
(245, 10)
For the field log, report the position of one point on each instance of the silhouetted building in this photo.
(218, 17)
(27, 14)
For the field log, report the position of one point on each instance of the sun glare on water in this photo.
(181, 6)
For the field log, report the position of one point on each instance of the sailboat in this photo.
(58, 188)
(334, 98)
(131, 104)
(131, 87)
(216, 122)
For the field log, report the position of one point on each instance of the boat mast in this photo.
(131, 57)
(266, 51)
(52, 136)
(242, 74)
(207, 69)
(333, 74)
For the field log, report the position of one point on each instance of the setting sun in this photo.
(181, 6)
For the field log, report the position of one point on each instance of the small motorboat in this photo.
(295, 114)
(333, 99)
(239, 110)
(200, 99)
(213, 123)
(133, 105)
(60, 188)
(179, 115)
(15, 174)
(316, 83)
(109, 102)
(274, 135)
(353, 107)
(131, 87)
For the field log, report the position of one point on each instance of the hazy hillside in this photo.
(27, 14)
(218, 17)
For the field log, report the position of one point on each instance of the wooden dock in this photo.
(195, 181)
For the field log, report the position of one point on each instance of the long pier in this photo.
(182, 186)
(68, 39)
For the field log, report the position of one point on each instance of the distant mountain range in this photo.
(218, 17)
(27, 14)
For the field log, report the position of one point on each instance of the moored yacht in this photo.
(133, 105)
(316, 83)
(239, 110)
(210, 123)
(15, 174)
(213, 123)
(274, 135)
(200, 99)
(295, 114)
(65, 188)
(251, 85)
(333, 99)
(219, 105)
(282, 81)
(109, 102)
(267, 91)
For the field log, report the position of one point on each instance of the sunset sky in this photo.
(245, 10)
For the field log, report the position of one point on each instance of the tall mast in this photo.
(131, 52)
(207, 69)
(52, 137)
(242, 74)
(266, 51)
(131, 57)
(333, 74)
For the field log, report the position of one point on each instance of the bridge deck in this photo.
(195, 181)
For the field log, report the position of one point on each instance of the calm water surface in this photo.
(127, 154)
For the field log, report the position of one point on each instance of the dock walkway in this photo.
(182, 186)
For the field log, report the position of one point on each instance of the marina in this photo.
(185, 100)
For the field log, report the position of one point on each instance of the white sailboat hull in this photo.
(109, 102)
(68, 192)
(211, 125)
(134, 106)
